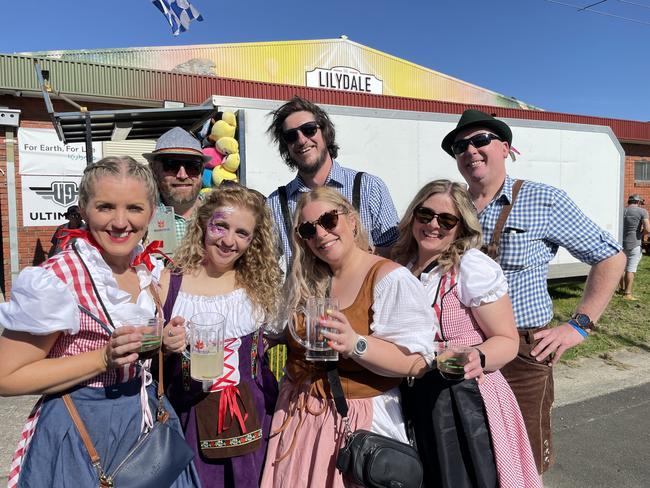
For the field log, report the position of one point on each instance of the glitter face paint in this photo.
(228, 235)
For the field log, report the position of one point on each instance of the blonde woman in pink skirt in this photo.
(382, 333)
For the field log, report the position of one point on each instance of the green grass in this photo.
(624, 324)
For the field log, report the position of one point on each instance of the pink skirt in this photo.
(512, 453)
(306, 433)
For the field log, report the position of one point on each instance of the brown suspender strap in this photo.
(493, 246)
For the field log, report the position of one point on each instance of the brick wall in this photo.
(634, 153)
(33, 242)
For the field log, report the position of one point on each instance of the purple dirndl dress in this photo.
(252, 377)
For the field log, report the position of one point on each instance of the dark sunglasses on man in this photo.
(193, 168)
(308, 129)
(328, 221)
(479, 140)
(446, 221)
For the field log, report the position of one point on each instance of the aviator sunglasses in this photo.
(328, 221)
(424, 215)
(192, 168)
(479, 140)
(308, 129)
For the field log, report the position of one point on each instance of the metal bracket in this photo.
(9, 117)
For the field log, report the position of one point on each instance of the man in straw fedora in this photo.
(177, 163)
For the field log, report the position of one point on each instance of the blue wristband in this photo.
(582, 332)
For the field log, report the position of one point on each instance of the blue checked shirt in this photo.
(378, 214)
(542, 219)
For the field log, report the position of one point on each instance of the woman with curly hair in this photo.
(383, 332)
(226, 264)
(469, 432)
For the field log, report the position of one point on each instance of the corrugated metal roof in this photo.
(83, 79)
(286, 62)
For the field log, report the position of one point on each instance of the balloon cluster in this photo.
(224, 150)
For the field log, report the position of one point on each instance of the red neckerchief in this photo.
(66, 235)
(145, 256)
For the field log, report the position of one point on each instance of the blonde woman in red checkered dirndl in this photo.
(469, 432)
(64, 333)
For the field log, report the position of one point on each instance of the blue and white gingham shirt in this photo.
(377, 212)
(542, 219)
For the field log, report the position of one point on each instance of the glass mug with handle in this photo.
(310, 336)
(206, 346)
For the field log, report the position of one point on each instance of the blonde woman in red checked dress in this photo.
(64, 333)
(439, 237)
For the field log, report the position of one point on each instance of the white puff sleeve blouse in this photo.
(480, 280)
(42, 304)
(402, 314)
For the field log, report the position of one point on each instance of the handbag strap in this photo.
(337, 389)
(85, 437)
(493, 246)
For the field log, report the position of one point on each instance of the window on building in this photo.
(642, 171)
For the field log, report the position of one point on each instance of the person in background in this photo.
(66, 331)
(226, 264)
(542, 219)
(74, 222)
(439, 240)
(306, 140)
(177, 164)
(635, 226)
(384, 331)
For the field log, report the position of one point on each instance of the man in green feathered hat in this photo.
(541, 219)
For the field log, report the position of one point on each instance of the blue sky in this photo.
(538, 51)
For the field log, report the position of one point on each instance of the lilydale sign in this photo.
(344, 78)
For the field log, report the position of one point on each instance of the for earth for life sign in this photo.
(344, 78)
(50, 174)
(41, 153)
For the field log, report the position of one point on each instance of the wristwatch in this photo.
(583, 321)
(360, 347)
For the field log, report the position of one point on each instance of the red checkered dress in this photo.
(69, 269)
(513, 456)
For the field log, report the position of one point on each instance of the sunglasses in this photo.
(308, 129)
(446, 221)
(328, 221)
(479, 140)
(192, 168)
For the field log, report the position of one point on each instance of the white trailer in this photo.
(403, 148)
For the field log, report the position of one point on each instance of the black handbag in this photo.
(373, 460)
(157, 458)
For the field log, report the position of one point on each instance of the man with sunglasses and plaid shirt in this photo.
(306, 139)
(542, 219)
(177, 164)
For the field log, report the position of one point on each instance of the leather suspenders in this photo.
(492, 249)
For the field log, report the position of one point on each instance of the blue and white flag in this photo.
(179, 14)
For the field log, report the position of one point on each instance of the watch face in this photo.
(361, 346)
(582, 319)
